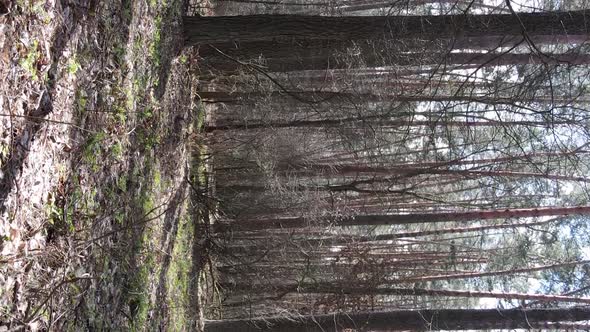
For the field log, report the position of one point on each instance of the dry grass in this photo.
(96, 111)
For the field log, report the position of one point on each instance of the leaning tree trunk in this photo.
(415, 320)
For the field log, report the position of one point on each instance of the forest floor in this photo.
(101, 183)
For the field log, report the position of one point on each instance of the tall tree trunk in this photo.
(468, 275)
(333, 167)
(344, 240)
(399, 173)
(383, 120)
(319, 287)
(399, 219)
(210, 30)
(331, 288)
(494, 42)
(324, 57)
(416, 320)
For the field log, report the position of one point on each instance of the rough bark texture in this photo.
(416, 320)
(207, 30)
(295, 59)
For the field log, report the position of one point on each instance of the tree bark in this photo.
(469, 275)
(336, 241)
(383, 120)
(326, 58)
(319, 287)
(330, 288)
(416, 320)
(270, 28)
(399, 219)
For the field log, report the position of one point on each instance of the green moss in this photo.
(178, 277)
(122, 183)
(140, 84)
(29, 62)
(35, 8)
(138, 299)
(139, 284)
(92, 150)
(129, 98)
(81, 100)
(117, 151)
(157, 178)
(120, 116)
(73, 65)
(148, 138)
(155, 44)
(138, 44)
(120, 217)
(148, 205)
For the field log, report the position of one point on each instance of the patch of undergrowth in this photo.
(34, 8)
(137, 291)
(69, 207)
(81, 101)
(179, 276)
(203, 294)
(155, 43)
(73, 65)
(29, 59)
(93, 150)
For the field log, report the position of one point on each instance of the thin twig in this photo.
(41, 120)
